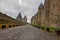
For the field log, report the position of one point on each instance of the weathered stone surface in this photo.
(49, 14)
(26, 32)
(7, 21)
(24, 19)
(19, 17)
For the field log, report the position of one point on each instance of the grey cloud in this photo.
(33, 2)
(32, 7)
(12, 7)
(9, 7)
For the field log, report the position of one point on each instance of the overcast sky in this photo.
(26, 7)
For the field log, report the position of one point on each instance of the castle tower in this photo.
(25, 19)
(55, 13)
(40, 14)
(47, 12)
(19, 17)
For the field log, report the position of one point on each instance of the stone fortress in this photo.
(19, 17)
(7, 21)
(48, 14)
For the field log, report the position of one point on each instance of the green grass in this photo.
(49, 29)
(53, 28)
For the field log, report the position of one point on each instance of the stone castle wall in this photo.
(7, 21)
(48, 14)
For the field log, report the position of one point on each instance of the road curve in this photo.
(26, 32)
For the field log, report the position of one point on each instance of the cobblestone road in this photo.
(26, 32)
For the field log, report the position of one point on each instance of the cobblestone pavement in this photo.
(26, 32)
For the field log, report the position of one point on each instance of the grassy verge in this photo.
(52, 30)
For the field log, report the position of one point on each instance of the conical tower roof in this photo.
(19, 16)
(25, 17)
(41, 5)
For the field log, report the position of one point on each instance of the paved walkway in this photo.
(26, 32)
